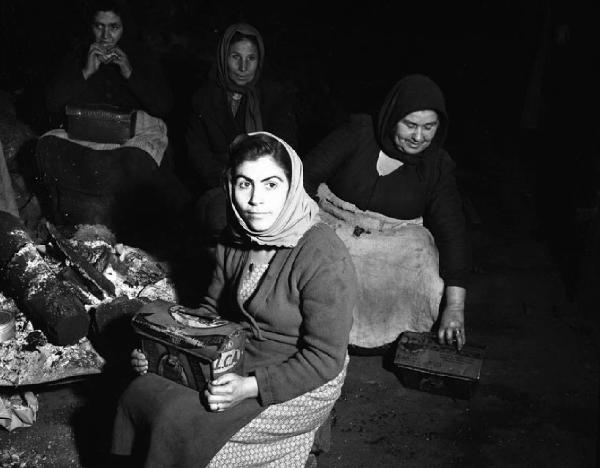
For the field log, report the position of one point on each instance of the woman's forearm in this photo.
(455, 295)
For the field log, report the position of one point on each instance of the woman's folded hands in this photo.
(228, 390)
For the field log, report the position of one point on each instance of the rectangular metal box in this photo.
(100, 123)
(424, 364)
(188, 349)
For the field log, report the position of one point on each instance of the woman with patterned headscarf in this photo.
(238, 98)
(290, 282)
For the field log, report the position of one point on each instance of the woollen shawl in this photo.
(298, 215)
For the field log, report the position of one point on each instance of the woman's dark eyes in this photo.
(426, 127)
(238, 57)
(113, 27)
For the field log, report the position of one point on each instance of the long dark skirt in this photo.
(164, 424)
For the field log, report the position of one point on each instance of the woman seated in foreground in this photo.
(395, 165)
(289, 280)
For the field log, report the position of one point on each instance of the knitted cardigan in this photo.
(299, 319)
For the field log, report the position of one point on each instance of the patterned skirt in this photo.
(282, 434)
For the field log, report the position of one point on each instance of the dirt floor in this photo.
(536, 404)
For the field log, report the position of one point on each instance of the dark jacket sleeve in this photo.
(328, 294)
(68, 83)
(149, 85)
(206, 162)
(212, 300)
(322, 162)
(445, 218)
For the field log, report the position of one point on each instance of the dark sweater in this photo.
(299, 319)
(347, 161)
(146, 88)
(213, 127)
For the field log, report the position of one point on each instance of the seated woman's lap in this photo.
(170, 421)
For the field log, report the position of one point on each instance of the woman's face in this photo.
(242, 62)
(107, 28)
(260, 189)
(415, 131)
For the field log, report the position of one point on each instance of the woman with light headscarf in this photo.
(238, 98)
(290, 282)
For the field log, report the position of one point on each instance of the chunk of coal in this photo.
(139, 268)
(36, 288)
(34, 340)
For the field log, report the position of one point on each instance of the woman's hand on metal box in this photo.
(228, 390)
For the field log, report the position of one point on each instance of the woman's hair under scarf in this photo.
(298, 215)
(253, 119)
(412, 93)
(121, 9)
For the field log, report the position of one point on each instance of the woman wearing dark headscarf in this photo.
(396, 166)
(112, 69)
(238, 98)
(290, 282)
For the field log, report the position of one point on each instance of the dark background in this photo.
(519, 77)
(340, 56)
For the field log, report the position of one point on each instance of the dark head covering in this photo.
(412, 93)
(253, 118)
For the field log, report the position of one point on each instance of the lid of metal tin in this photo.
(7, 325)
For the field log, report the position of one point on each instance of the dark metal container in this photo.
(424, 364)
(100, 123)
(187, 348)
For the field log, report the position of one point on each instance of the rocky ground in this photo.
(536, 403)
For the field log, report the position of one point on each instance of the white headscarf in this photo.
(298, 215)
